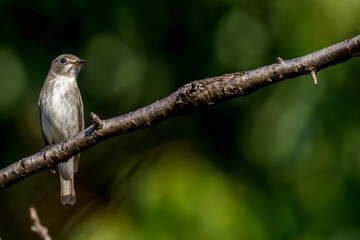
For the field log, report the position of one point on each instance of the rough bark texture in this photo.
(187, 99)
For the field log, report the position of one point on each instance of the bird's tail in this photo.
(67, 193)
(66, 172)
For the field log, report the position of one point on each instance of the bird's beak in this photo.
(79, 62)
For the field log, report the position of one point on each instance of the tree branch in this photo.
(37, 227)
(187, 99)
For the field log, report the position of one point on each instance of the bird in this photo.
(62, 115)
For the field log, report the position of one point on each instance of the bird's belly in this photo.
(60, 115)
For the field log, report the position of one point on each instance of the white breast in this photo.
(59, 116)
(61, 89)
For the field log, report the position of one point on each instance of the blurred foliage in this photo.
(282, 163)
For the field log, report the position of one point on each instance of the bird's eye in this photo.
(62, 60)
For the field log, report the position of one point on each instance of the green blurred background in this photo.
(282, 163)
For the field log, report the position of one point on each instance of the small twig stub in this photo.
(97, 121)
(279, 60)
(313, 75)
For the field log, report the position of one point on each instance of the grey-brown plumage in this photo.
(61, 115)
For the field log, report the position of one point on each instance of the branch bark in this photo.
(187, 99)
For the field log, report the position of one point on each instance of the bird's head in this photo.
(67, 65)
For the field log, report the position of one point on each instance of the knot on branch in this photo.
(183, 96)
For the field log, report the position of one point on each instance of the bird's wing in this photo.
(45, 141)
(81, 127)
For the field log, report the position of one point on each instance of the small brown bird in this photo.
(61, 115)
